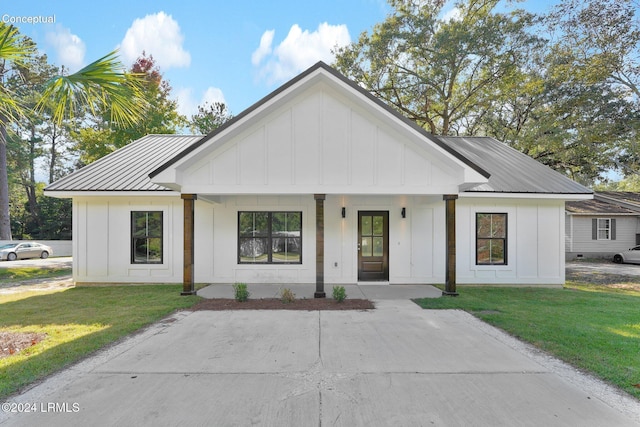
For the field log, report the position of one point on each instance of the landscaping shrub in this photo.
(241, 292)
(287, 295)
(339, 293)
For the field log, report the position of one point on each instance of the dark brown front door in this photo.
(373, 245)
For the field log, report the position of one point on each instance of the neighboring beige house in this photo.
(601, 227)
(318, 182)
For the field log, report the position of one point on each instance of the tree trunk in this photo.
(53, 154)
(5, 221)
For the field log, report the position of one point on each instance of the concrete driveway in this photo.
(397, 365)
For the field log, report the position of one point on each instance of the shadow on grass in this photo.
(78, 322)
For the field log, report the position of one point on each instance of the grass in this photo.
(593, 327)
(77, 321)
(17, 274)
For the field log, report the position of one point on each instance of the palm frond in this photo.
(100, 86)
(13, 46)
(10, 106)
(14, 49)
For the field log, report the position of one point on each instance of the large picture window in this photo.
(270, 237)
(491, 238)
(146, 237)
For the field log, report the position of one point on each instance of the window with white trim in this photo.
(604, 229)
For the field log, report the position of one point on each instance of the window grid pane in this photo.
(604, 227)
(491, 238)
(146, 237)
(270, 237)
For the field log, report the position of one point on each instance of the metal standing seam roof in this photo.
(511, 171)
(127, 169)
(130, 168)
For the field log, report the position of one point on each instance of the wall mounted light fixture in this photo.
(403, 212)
(344, 212)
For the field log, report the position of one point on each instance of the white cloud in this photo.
(213, 94)
(69, 48)
(265, 48)
(158, 35)
(188, 105)
(452, 15)
(298, 51)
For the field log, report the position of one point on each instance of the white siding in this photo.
(414, 258)
(102, 240)
(416, 243)
(535, 242)
(582, 242)
(320, 142)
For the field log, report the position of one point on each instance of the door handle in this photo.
(358, 247)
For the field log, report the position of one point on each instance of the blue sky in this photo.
(230, 51)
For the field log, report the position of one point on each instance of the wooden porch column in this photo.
(450, 221)
(319, 246)
(188, 287)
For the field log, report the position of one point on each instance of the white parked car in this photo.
(630, 256)
(17, 250)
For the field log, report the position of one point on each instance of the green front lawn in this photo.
(77, 322)
(593, 327)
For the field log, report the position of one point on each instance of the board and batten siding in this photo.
(535, 242)
(324, 143)
(102, 251)
(414, 241)
(102, 240)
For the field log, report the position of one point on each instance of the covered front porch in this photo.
(339, 239)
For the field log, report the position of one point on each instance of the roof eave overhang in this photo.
(516, 195)
(64, 194)
(602, 214)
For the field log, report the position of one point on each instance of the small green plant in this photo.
(287, 295)
(339, 294)
(241, 292)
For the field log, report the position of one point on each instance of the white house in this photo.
(318, 182)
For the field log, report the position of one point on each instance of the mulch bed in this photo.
(311, 304)
(12, 342)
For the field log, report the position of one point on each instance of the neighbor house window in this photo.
(491, 238)
(146, 237)
(269, 237)
(604, 229)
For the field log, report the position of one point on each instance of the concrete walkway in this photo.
(397, 365)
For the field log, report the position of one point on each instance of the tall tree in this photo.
(100, 84)
(600, 45)
(101, 138)
(554, 115)
(27, 132)
(210, 116)
(569, 101)
(570, 105)
(436, 71)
